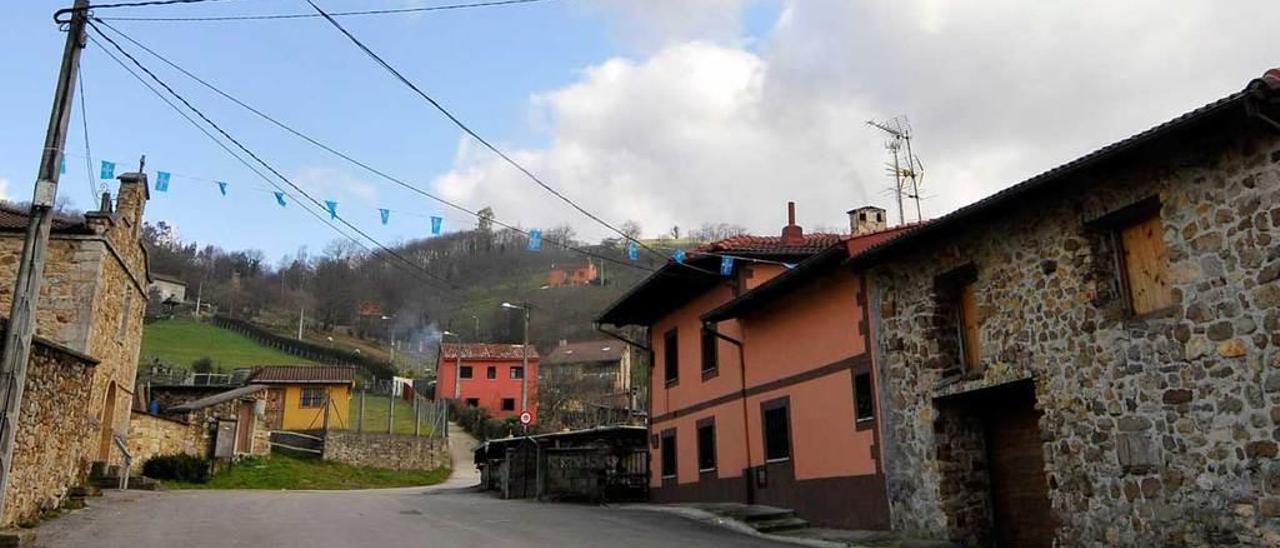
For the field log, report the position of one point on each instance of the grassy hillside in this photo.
(375, 415)
(180, 342)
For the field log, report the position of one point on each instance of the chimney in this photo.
(792, 234)
(866, 219)
(132, 198)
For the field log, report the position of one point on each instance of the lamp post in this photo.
(457, 364)
(524, 355)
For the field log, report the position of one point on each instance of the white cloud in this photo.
(329, 183)
(4, 188)
(704, 130)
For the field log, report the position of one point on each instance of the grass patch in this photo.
(289, 472)
(375, 415)
(181, 341)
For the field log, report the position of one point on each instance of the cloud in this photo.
(706, 130)
(652, 24)
(329, 183)
(4, 188)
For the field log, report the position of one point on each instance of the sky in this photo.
(664, 112)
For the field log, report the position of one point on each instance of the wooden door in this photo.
(244, 428)
(1019, 492)
(108, 424)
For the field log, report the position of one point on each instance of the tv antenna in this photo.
(906, 169)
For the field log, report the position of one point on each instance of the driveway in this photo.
(450, 514)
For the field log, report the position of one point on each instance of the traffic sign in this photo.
(526, 418)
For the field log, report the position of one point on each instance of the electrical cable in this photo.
(84, 123)
(278, 16)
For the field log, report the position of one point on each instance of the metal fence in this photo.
(381, 405)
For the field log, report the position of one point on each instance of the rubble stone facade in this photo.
(1155, 430)
(393, 451)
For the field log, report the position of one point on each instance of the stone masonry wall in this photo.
(393, 451)
(49, 454)
(1156, 430)
(152, 436)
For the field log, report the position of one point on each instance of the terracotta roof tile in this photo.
(326, 374)
(13, 217)
(772, 245)
(485, 351)
(583, 352)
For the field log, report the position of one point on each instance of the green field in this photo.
(375, 415)
(179, 342)
(284, 471)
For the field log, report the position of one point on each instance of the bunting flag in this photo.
(386, 215)
(62, 165)
(679, 256)
(162, 181)
(108, 170)
(280, 198)
(435, 224)
(535, 240)
(726, 266)
(333, 208)
(222, 187)
(633, 251)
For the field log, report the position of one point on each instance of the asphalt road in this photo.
(385, 518)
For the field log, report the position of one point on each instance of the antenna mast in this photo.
(907, 170)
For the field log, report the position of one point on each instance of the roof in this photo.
(218, 398)
(309, 374)
(168, 278)
(16, 218)
(587, 351)
(1265, 89)
(784, 283)
(485, 351)
(772, 245)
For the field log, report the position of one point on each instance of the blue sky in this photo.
(666, 112)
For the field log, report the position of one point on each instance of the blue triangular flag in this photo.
(108, 170)
(679, 256)
(386, 214)
(222, 187)
(162, 181)
(333, 208)
(62, 164)
(633, 251)
(726, 266)
(435, 224)
(535, 240)
(280, 198)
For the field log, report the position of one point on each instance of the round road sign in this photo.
(526, 418)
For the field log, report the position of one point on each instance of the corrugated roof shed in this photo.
(218, 398)
(291, 374)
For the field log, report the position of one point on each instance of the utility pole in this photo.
(26, 290)
(301, 310)
(524, 364)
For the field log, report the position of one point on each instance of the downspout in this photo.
(746, 427)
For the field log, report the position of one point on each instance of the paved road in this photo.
(446, 515)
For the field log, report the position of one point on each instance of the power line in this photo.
(88, 156)
(263, 163)
(464, 127)
(278, 16)
(363, 165)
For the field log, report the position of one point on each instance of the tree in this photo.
(712, 232)
(485, 216)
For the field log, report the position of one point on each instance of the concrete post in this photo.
(417, 417)
(391, 412)
(360, 424)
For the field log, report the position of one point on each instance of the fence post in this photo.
(391, 412)
(360, 425)
(417, 417)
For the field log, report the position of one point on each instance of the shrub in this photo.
(202, 365)
(180, 467)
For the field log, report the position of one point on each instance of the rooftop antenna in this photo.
(907, 170)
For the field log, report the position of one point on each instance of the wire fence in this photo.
(394, 407)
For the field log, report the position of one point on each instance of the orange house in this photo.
(573, 275)
(745, 404)
(489, 376)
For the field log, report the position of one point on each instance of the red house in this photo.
(489, 376)
(572, 274)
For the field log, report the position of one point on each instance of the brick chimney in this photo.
(867, 219)
(792, 234)
(132, 199)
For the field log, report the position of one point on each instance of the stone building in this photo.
(1092, 357)
(90, 313)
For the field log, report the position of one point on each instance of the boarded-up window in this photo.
(967, 322)
(1146, 266)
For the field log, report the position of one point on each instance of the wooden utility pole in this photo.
(26, 290)
(391, 411)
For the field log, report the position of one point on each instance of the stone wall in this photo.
(1158, 430)
(152, 436)
(393, 451)
(49, 456)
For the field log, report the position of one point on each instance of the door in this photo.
(1019, 492)
(108, 419)
(244, 428)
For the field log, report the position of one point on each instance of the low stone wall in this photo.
(397, 452)
(152, 436)
(51, 446)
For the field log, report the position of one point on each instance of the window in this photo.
(312, 397)
(465, 372)
(967, 323)
(491, 373)
(710, 352)
(707, 445)
(777, 430)
(1145, 265)
(508, 404)
(517, 372)
(864, 407)
(957, 328)
(671, 356)
(124, 316)
(473, 402)
(669, 454)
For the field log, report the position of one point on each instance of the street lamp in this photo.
(524, 355)
(457, 364)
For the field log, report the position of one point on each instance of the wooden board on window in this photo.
(1146, 263)
(969, 327)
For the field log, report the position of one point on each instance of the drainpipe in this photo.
(746, 427)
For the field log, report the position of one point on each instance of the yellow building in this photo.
(300, 397)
